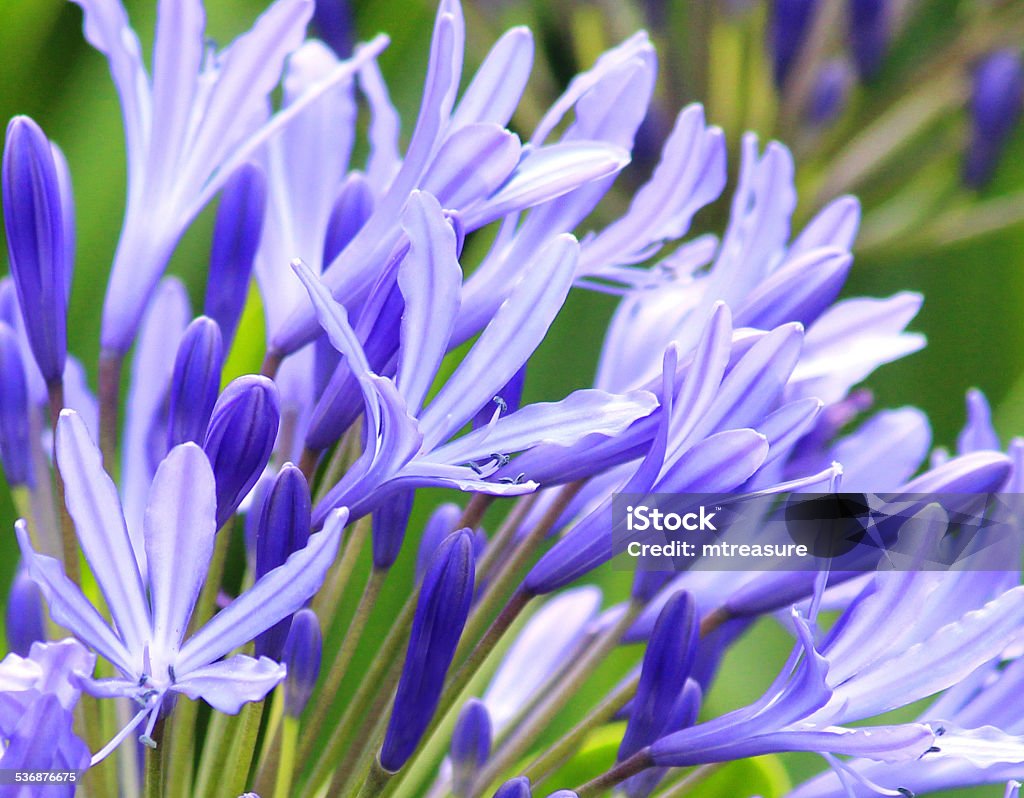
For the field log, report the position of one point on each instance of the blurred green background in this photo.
(963, 251)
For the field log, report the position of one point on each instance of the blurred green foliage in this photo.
(974, 285)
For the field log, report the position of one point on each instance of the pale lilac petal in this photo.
(851, 340)
(471, 164)
(276, 595)
(230, 683)
(99, 523)
(885, 451)
(545, 174)
(180, 528)
(430, 280)
(69, 607)
(152, 366)
(494, 92)
(978, 433)
(555, 423)
(514, 333)
(721, 462)
(249, 70)
(383, 161)
(177, 58)
(899, 743)
(835, 225)
(982, 747)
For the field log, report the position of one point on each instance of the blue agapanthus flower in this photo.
(214, 545)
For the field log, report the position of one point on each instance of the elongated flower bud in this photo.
(351, 210)
(15, 449)
(518, 787)
(240, 438)
(666, 666)
(196, 380)
(390, 521)
(682, 715)
(439, 526)
(830, 93)
(471, 745)
(869, 35)
(236, 237)
(67, 202)
(25, 619)
(441, 612)
(33, 217)
(283, 529)
(301, 656)
(791, 22)
(997, 96)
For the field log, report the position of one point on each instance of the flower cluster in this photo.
(233, 539)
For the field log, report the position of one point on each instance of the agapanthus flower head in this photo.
(36, 229)
(147, 644)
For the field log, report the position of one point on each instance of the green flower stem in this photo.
(518, 743)
(546, 763)
(103, 777)
(153, 786)
(269, 759)
(375, 781)
(109, 399)
(216, 753)
(244, 748)
(381, 676)
(498, 543)
(691, 780)
(640, 761)
(339, 666)
(207, 601)
(286, 763)
(181, 745)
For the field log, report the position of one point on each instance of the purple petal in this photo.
(514, 333)
(551, 423)
(978, 434)
(230, 683)
(99, 523)
(281, 592)
(494, 92)
(720, 462)
(69, 607)
(471, 164)
(180, 528)
(430, 279)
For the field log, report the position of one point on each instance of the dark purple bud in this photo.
(341, 402)
(506, 401)
(830, 92)
(647, 584)
(514, 788)
(439, 526)
(67, 202)
(564, 794)
(333, 22)
(869, 35)
(791, 22)
(390, 521)
(301, 656)
(682, 715)
(196, 380)
(240, 439)
(15, 449)
(283, 529)
(26, 623)
(441, 612)
(351, 210)
(33, 216)
(236, 237)
(667, 663)
(471, 745)
(997, 94)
